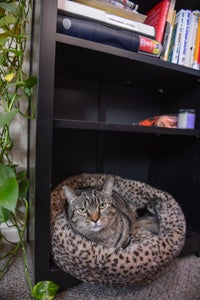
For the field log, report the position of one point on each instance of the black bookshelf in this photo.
(87, 98)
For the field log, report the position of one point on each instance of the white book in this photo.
(191, 38)
(179, 28)
(105, 17)
(184, 37)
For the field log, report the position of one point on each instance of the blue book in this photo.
(97, 32)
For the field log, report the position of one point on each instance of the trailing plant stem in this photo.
(21, 232)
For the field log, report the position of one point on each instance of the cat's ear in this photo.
(69, 193)
(108, 186)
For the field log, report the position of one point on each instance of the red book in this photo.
(157, 16)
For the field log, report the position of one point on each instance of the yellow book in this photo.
(196, 47)
(170, 14)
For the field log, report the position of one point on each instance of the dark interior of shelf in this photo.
(110, 89)
(110, 63)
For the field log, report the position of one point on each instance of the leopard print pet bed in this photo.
(138, 264)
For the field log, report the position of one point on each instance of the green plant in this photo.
(16, 88)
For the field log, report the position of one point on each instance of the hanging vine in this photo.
(16, 88)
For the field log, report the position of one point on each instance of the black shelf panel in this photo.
(102, 126)
(62, 279)
(147, 59)
(112, 62)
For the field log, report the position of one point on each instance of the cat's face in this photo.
(92, 210)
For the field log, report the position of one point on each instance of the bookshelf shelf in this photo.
(113, 127)
(87, 97)
(134, 57)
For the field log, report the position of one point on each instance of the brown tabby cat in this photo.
(104, 216)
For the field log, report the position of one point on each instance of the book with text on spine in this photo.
(191, 38)
(176, 37)
(184, 38)
(196, 54)
(157, 17)
(118, 11)
(104, 17)
(102, 34)
(168, 29)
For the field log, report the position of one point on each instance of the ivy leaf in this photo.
(2, 12)
(23, 184)
(4, 215)
(9, 189)
(3, 37)
(6, 172)
(8, 7)
(23, 188)
(7, 20)
(6, 117)
(44, 290)
(30, 82)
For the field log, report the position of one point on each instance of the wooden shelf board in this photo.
(147, 59)
(102, 126)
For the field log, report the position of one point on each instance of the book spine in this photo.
(167, 47)
(168, 25)
(165, 39)
(157, 18)
(125, 3)
(176, 37)
(98, 33)
(170, 13)
(172, 41)
(198, 58)
(150, 46)
(113, 9)
(191, 38)
(195, 63)
(71, 8)
(184, 38)
(177, 44)
(136, 27)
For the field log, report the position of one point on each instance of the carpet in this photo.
(180, 281)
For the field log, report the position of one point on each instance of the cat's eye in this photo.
(82, 210)
(102, 205)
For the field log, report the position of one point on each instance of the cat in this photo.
(103, 216)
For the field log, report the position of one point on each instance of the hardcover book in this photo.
(168, 28)
(191, 38)
(176, 37)
(100, 33)
(184, 37)
(157, 17)
(77, 9)
(129, 14)
(167, 46)
(195, 63)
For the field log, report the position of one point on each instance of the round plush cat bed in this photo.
(142, 261)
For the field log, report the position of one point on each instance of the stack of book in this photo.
(108, 24)
(163, 32)
(178, 32)
(184, 48)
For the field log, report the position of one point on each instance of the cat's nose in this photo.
(94, 217)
